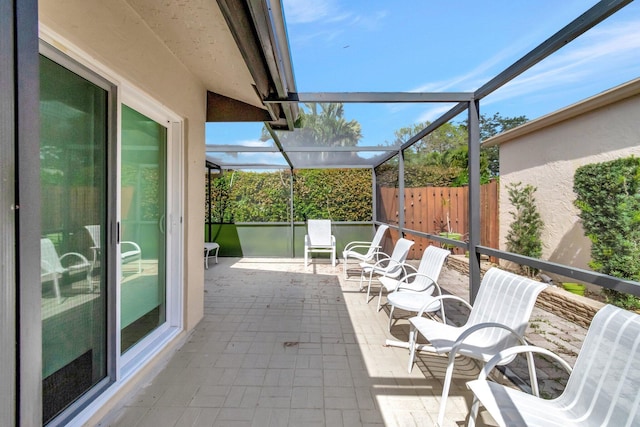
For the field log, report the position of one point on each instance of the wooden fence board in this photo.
(426, 210)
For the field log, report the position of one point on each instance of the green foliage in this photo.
(608, 196)
(239, 196)
(525, 231)
(491, 126)
(337, 194)
(320, 125)
(442, 157)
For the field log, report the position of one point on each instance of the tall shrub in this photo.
(608, 196)
(524, 236)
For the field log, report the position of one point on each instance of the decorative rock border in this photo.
(574, 308)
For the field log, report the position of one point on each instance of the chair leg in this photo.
(380, 297)
(445, 388)
(56, 288)
(369, 286)
(391, 316)
(474, 412)
(533, 377)
(412, 347)
(344, 267)
(89, 281)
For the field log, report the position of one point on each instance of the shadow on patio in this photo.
(285, 345)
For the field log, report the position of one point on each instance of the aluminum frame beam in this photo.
(372, 97)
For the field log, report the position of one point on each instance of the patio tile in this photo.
(285, 345)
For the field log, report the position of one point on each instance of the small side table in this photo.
(208, 247)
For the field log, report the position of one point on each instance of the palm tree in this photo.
(321, 125)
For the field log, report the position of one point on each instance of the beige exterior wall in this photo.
(548, 155)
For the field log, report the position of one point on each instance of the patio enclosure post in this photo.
(400, 193)
(474, 198)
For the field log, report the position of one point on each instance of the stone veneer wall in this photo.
(574, 308)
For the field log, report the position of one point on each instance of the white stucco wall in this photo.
(548, 156)
(115, 36)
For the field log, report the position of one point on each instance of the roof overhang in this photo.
(258, 28)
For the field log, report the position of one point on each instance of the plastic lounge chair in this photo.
(602, 389)
(497, 321)
(208, 248)
(387, 266)
(364, 251)
(130, 251)
(415, 290)
(52, 267)
(319, 239)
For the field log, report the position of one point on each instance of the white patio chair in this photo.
(129, 251)
(319, 239)
(602, 389)
(497, 321)
(387, 266)
(52, 266)
(415, 290)
(364, 251)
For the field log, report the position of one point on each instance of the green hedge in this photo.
(337, 194)
(608, 196)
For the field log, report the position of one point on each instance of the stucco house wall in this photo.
(546, 153)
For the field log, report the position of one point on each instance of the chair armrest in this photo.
(362, 249)
(475, 328)
(404, 283)
(518, 349)
(357, 244)
(134, 244)
(441, 298)
(384, 257)
(74, 254)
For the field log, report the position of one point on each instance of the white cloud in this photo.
(306, 11)
(432, 113)
(597, 53)
(600, 51)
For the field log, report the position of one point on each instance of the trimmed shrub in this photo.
(608, 196)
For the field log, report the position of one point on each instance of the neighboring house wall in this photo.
(546, 153)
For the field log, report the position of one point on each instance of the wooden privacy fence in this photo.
(438, 210)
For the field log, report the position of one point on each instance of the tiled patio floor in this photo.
(285, 345)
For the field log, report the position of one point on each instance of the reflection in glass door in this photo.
(73, 176)
(143, 237)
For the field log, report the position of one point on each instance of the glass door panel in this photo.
(73, 175)
(143, 238)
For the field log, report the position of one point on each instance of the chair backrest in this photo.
(49, 257)
(319, 232)
(504, 298)
(94, 232)
(377, 239)
(399, 256)
(433, 259)
(603, 387)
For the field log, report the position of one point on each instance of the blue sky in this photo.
(448, 46)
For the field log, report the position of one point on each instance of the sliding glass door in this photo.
(74, 117)
(111, 231)
(143, 230)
